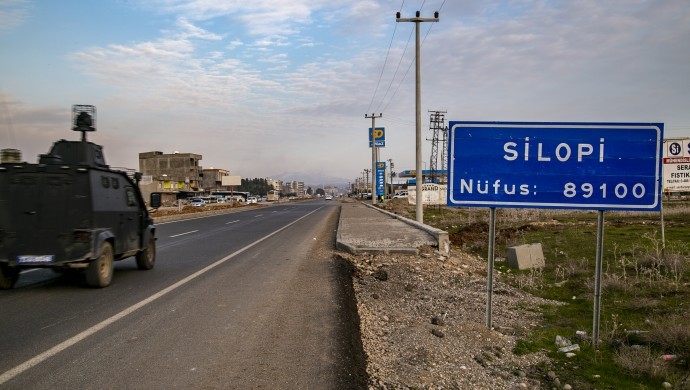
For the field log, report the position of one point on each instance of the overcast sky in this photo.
(279, 88)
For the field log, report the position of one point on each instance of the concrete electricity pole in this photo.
(418, 202)
(390, 169)
(373, 155)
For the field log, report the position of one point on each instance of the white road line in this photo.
(228, 223)
(182, 234)
(6, 376)
(257, 216)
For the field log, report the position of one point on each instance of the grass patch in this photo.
(645, 301)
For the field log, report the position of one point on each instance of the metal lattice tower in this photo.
(439, 131)
(444, 157)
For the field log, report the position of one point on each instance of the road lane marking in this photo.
(182, 234)
(228, 223)
(8, 375)
(257, 216)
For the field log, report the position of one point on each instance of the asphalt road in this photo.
(252, 299)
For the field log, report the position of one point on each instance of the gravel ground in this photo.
(423, 323)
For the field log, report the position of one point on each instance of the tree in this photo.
(255, 186)
(309, 191)
(320, 192)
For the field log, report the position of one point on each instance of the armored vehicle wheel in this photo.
(147, 257)
(99, 273)
(8, 276)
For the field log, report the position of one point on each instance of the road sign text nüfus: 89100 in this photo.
(555, 165)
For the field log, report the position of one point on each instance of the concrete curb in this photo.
(341, 245)
(441, 236)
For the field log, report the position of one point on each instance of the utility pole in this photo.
(418, 178)
(373, 154)
(391, 166)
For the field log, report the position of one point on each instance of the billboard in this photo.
(432, 194)
(231, 181)
(380, 179)
(677, 165)
(569, 165)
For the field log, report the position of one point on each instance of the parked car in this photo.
(252, 199)
(400, 194)
(197, 202)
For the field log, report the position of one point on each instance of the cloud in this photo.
(192, 31)
(234, 44)
(224, 78)
(13, 13)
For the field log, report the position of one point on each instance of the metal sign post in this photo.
(597, 277)
(490, 266)
(561, 165)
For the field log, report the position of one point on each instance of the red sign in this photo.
(676, 160)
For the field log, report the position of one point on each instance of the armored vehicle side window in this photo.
(131, 198)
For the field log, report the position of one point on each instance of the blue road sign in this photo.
(593, 166)
(380, 178)
(380, 135)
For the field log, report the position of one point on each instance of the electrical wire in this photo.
(384, 62)
(396, 69)
(411, 62)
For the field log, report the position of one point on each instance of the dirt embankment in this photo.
(423, 323)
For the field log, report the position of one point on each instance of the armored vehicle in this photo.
(72, 212)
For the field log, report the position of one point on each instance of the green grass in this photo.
(644, 286)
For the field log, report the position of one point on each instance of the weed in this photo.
(645, 288)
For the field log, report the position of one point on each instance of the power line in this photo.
(399, 121)
(396, 69)
(384, 62)
(399, 62)
(410, 66)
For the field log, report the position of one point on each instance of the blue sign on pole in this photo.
(593, 166)
(380, 135)
(380, 179)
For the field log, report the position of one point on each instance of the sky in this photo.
(280, 88)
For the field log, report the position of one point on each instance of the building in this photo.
(293, 187)
(172, 173)
(277, 184)
(213, 179)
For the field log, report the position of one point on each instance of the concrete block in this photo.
(526, 256)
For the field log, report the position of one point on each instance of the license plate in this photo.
(30, 259)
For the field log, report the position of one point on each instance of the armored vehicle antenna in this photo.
(84, 119)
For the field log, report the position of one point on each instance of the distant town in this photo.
(182, 177)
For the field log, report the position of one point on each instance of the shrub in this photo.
(640, 360)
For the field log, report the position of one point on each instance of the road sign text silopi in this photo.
(595, 166)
